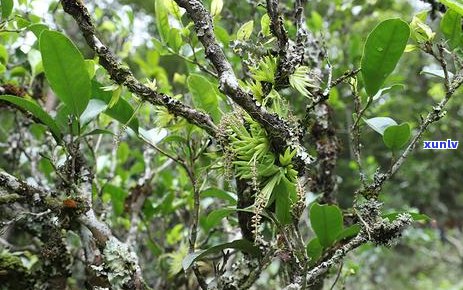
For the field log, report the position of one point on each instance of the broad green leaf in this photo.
(37, 112)
(456, 5)
(7, 8)
(176, 139)
(94, 108)
(265, 25)
(35, 61)
(65, 70)
(3, 55)
(91, 67)
(204, 95)
(315, 22)
(216, 216)
(379, 124)
(222, 35)
(383, 49)
(284, 194)
(118, 196)
(174, 39)
(349, 232)
(245, 31)
(415, 216)
(122, 111)
(220, 194)
(216, 7)
(242, 245)
(326, 222)
(450, 26)
(37, 29)
(314, 250)
(396, 136)
(162, 19)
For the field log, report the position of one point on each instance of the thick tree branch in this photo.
(106, 241)
(124, 76)
(278, 130)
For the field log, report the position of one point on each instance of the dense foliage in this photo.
(187, 144)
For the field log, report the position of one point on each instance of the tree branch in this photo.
(106, 241)
(280, 133)
(124, 76)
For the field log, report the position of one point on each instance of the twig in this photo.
(337, 276)
(338, 255)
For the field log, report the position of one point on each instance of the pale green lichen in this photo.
(120, 263)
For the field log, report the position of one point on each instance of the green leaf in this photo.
(37, 112)
(3, 55)
(37, 29)
(349, 232)
(91, 68)
(456, 5)
(265, 25)
(383, 49)
(215, 216)
(396, 136)
(220, 194)
(65, 70)
(451, 28)
(216, 7)
(122, 111)
(245, 31)
(415, 216)
(204, 95)
(379, 124)
(174, 39)
(315, 22)
(242, 245)
(314, 250)
(326, 222)
(283, 206)
(421, 32)
(162, 19)
(300, 80)
(7, 8)
(118, 196)
(283, 192)
(94, 108)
